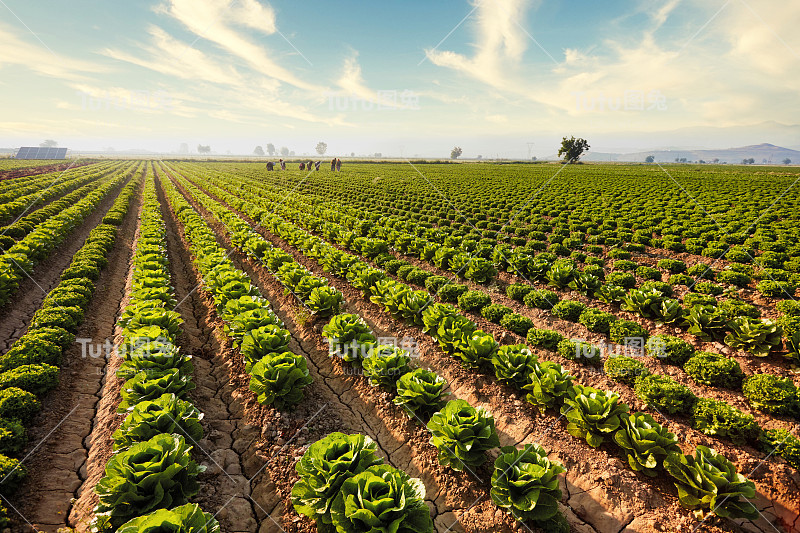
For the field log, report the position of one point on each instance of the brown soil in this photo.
(59, 435)
(604, 492)
(44, 169)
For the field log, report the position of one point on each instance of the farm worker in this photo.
(308, 166)
(302, 166)
(283, 164)
(270, 165)
(316, 165)
(333, 164)
(338, 164)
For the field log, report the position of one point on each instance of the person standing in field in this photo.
(302, 166)
(338, 164)
(333, 164)
(283, 164)
(316, 165)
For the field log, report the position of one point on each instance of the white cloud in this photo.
(36, 57)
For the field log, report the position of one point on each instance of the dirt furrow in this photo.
(57, 468)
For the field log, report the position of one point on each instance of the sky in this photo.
(502, 78)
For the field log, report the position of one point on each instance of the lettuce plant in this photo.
(715, 417)
(279, 379)
(757, 337)
(476, 348)
(548, 384)
(706, 322)
(385, 365)
(345, 334)
(187, 518)
(167, 414)
(420, 393)
(324, 301)
(143, 387)
(462, 434)
(263, 341)
(323, 469)
(155, 474)
(645, 442)
(525, 484)
(591, 414)
(512, 364)
(708, 482)
(381, 498)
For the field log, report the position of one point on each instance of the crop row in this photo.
(19, 260)
(30, 368)
(592, 414)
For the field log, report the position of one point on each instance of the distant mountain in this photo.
(760, 152)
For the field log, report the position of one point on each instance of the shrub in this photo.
(473, 300)
(626, 329)
(624, 369)
(546, 338)
(323, 469)
(495, 312)
(771, 394)
(420, 393)
(707, 480)
(164, 462)
(19, 404)
(645, 442)
(381, 498)
(717, 418)
(568, 310)
(596, 321)
(525, 484)
(517, 323)
(715, 370)
(665, 394)
(462, 434)
(673, 266)
(518, 291)
(592, 414)
(541, 299)
(452, 292)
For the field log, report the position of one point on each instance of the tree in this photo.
(203, 149)
(258, 151)
(456, 152)
(49, 143)
(284, 151)
(787, 161)
(715, 160)
(352, 154)
(572, 149)
(649, 159)
(321, 148)
(271, 149)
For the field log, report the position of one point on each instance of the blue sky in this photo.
(491, 75)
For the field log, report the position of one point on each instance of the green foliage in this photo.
(385, 365)
(525, 484)
(324, 467)
(737, 308)
(278, 379)
(518, 291)
(37, 379)
(665, 394)
(626, 329)
(626, 280)
(476, 348)
(462, 434)
(546, 338)
(541, 299)
(12, 436)
(645, 442)
(568, 310)
(771, 394)
(714, 417)
(155, 474)
(495, 312)
(646, 303)
(757, 337)
(187, 518)
(596, 321)
(19, 404)
(12, 473)
(451, 292)
(776, 289)
(673, 266)
(381, 498)
(592, 414)
(707, 481)
(473, 301)
(324, 301)
(420, 393)
(548, 384)
(783, 443)
(706, 322)
(516, 323)
(610, 294)
(167, 414)
(707, 287)
(624, 369)
(143, 387)
(580, 351)
(345, 334)
(512, 364)
(715, 370)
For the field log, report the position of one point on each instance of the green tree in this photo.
(271, 149)
(49, 143)
(572, 149)
(649, 159)
(258, 151)
(787, 161)
(321, 148)
(456, 152)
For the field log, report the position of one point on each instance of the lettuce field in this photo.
(199, 346)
